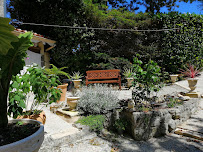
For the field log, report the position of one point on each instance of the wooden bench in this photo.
(103, 76)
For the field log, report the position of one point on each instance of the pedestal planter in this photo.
(41, 117)
(77, 83)
(72, 102)
(29, 144)
(129, 82)
(192, 84)
(173, 78)
(63, 94)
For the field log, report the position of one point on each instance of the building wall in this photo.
(33, 58)
(2, 8)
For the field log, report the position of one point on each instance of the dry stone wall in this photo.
(145, 125)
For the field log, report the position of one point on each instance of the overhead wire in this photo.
(94, 28)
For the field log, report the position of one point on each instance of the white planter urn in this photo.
(192, 84)
(77, 83)
(129, 82)
(29, 144)
(174, 78)
(72, 102)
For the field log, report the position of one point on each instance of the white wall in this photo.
(2, 8)
(33, 58)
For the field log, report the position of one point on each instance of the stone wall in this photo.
(145, 125)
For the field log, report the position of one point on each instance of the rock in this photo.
(171, 125)
(183, 98)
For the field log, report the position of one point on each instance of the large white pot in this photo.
(77, 83)
(173, 78)
(72, 102)
(192, 84)
(29, 144)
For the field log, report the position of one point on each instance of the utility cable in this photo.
(95, 28)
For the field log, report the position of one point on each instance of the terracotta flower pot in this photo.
(129, 82)
(174, 78)
(77, 83)
(41, 117)
(63, 94)
(72, 102)
(31, 143)
(192, 84)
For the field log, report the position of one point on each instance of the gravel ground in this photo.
(93, 143)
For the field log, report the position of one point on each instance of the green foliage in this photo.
(75, 47)
(97, 99)
(56, 71)
(172, 101)
(95, 122)
(181, 46)
(6, 36)
(12, 61)
(120, 124)
(76, 75)
(151, 6)
(128, 73)
(147, 79)
(36, 81)
(103, 61)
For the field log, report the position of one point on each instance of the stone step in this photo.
(189, 133)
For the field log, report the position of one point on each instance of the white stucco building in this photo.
(2, 8)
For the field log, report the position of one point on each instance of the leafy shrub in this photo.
(147, 80)
(103, 61)
(120, 124)
(35, 80)
(97, 99)
(95, 122)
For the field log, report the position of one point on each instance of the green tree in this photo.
(12, 61)
(152, 6)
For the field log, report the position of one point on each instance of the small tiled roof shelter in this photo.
(39, 53)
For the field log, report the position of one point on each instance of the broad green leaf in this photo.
(15, 85)
(22, 104)
(6, 37)
(16, 97)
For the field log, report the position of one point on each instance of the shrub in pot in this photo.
(35, 82)
(128, 73)
(12, 53)
(77, 79)
(148, 80)
(191, 72)
(57, 72)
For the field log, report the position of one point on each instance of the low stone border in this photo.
(145, 125)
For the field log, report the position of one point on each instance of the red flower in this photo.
(190, 71)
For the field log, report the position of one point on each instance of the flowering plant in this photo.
(190, 71)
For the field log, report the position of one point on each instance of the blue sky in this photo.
(194, 7)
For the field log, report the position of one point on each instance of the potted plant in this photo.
(12, 53)
(191, 73)
(128, 73)
(37, 84)
(72, 100)
(77, 79)
(58, 71)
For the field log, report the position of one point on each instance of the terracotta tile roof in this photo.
(36, 37)
(24, 31)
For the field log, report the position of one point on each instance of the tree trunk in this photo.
(3, 108)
